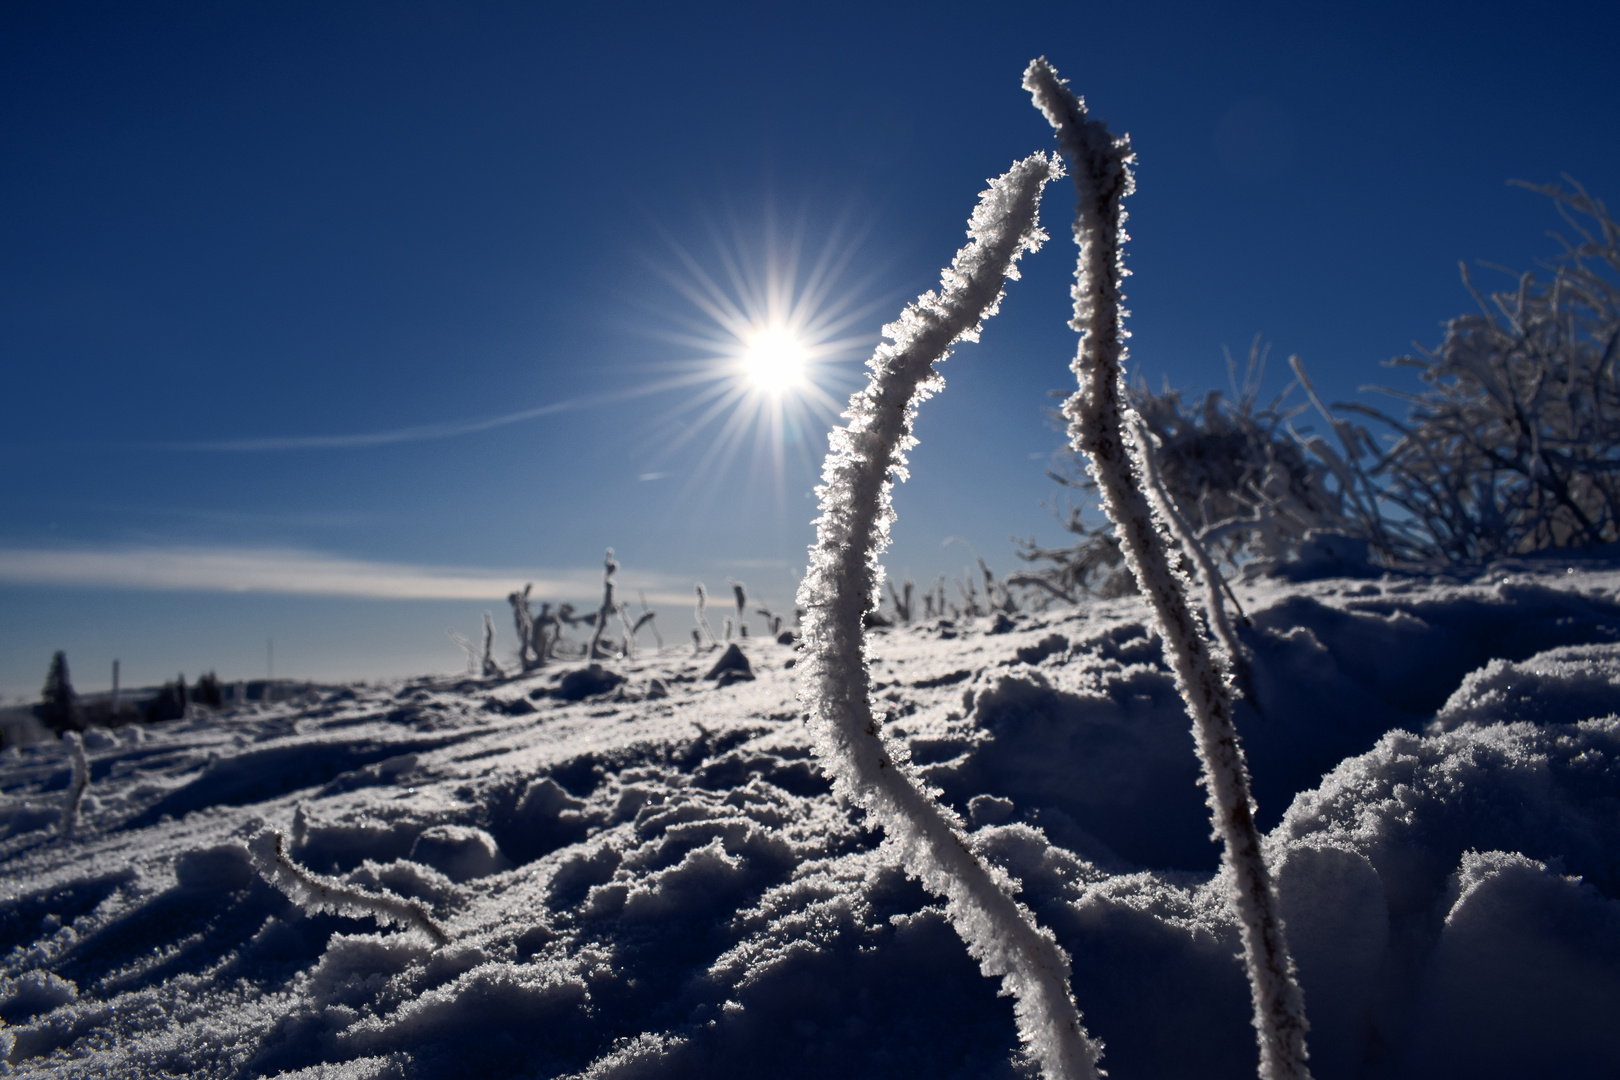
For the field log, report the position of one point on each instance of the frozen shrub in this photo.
(702, 634)
(1244, 484)
(739, 593)
(610, 606)
(902, 599)
(467, 647)
(1513, 445)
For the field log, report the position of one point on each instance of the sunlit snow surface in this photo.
(656, 882)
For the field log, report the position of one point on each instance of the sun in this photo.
(772, 335)
(774, 360)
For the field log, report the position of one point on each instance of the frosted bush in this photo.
(1514, 444)
(1511, 447)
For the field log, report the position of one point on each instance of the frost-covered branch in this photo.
(1214, 584)
(1099, 416)
(842, 586)
(316, 893)
(76, 786)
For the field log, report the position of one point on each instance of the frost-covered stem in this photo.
(629, 626)
(1100, 164)
(316, 893)
(490, 668)
(523, 621)
(1364, 497)
(842, 586)
(76, 786)
(739, 592)
(703, 633)
(1166, 506)
(647, 617)
(610, 566)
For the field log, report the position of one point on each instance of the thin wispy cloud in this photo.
(425, 432)
(305, 573)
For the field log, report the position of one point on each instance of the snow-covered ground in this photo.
(655, 881)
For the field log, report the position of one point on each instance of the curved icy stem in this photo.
(1099, 419)
(316, 893)
(842, 586)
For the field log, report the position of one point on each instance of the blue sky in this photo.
(238, 242)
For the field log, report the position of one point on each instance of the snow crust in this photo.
(658, 881)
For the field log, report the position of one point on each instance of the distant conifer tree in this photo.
(59, 706)
(209, 692)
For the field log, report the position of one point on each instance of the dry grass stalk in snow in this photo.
(316, 893)
(490, 669)
(1099, 415)
(841, 588)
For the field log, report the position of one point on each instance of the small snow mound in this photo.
(989, 810)
(33, 993)
(1524, 949)
(733, 666)
(1557, 686)
(222, 868)
(366, 1068)
(459, 852)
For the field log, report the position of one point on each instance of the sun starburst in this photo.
(771, 337)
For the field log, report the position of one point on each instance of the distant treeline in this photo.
(61, 709)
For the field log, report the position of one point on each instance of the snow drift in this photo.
(641, 885)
